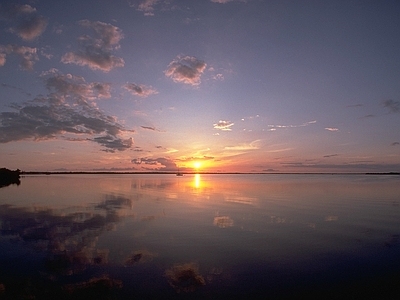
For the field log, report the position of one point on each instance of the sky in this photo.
(200, 85)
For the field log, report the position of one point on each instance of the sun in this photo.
(197, 165)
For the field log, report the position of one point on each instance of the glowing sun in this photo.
(197, 165)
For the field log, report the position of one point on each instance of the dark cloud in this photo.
(186, 70)
(161, 163)
(368, 116)
(28, 24)
(140, 90)
(96, 52)
(395, 144)
(48, 119)
(150, 128)
(392, 105)
(331, 155)
(112, 143)
(74, 86)
(31, 28)
(65, 114)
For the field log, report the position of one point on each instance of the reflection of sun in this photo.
(197, 181)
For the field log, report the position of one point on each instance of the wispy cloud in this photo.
(274, 127)
(395, 144)
(222, 1)
(147, 7)
(28, 24)
(254, 145)
(140, 90)
(332, 129)
(330, 155)
(368, 116)
(152, 128)
(224, 125)
(355, 105)
(280, 150)
(356, 166)
(196, 158)
(96, 52)
(187, 70)
(392, 105)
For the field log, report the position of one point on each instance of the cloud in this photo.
(392, 105)
(28, 55)
(159, 164)
(356, 166)
(111, 143)
(197, 158)
(2, 59)
(330, 155)
(355, 105)
(31, 28)
(96, 52)
(75, 86)
(395, 144)
(368, 116)
(221, 1)
(147, 7)
(280, 150)
(274, 127)
(65, 114)
(219, 77)
(140, 90)
(244, 147)
(187, 70)
(150, 128)
(331, 129)
(224, 125)
(29, 25)
(47, 118)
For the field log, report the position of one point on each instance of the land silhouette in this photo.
(8, 177)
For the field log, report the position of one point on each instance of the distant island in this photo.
(8, 177)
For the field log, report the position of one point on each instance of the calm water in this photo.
(200, 237)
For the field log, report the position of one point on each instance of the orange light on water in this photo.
(197, 181)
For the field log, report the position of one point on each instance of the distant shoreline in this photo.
(202, 173)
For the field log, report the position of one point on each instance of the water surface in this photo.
(200, 236)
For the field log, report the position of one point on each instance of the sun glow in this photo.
(197, 165)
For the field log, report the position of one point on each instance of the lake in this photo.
(275, 236)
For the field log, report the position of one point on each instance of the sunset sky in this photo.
(208, 85)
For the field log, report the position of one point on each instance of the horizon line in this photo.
(205, 173)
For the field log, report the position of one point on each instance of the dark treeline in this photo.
(8, 177)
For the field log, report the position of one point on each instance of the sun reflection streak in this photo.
(197, 181)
